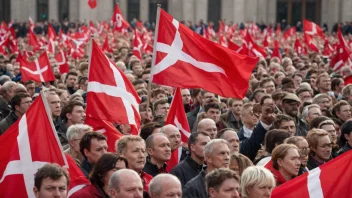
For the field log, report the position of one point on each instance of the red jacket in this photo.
(146, 178)
(278, 177)
(88, 191)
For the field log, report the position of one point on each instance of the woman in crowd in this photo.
(286, 163)
(239, 163)
(303, 149)
(107, 164)
(256, 182)
(320, 148)
(329, 126)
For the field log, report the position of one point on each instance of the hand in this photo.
(269, 112)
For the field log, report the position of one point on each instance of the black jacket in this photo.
(301, 128)
(231, 121)
(312, 163)
(249, 147)
(240, 135)
(343, 150)
(7, 122)
(153, 169)
(61, 130)
(195, 188)
(5, 108)
(86, 167)
(192, 117)
(186, 170)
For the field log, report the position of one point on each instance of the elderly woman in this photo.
(329, 126)
(303, 149)
(239, 162)
(107, 164)
(320, 148)
(256, 182)
(286, 163)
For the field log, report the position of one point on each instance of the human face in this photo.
(331, 130)
(207, 97)
(213, 114)
(31, 89)
(220, 157)
(288, 126)
(303, 151)
(323, 149)
(324, 83)
(24, 105)
(198, 147)
(324, 103)
(210, 129)
(174, 136)
(236, 107)
(74, 144)
(140, 86)
(278, 80)
(78, 116)
(54, 102)
(52, 188)
(131, 187)
(344, 113)
(313, 79)
(119, 165)
(171, 189)
(291, 163)
(305, 96)
(313, 112)
(290, 108)
(228, 189)
(137, 70)
(186, 96)
(232, 140)
(64, 98)
(263, 191)
(135, 155)
(162, 109)
(248, 117)
(161, 150)
(71, 80)
(297, 81)
(97, 149)
(269, 87)
(147, 115)
(125, 129)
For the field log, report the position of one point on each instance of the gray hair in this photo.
(7, 86)
(149, 142)
(117, 176)
(156, 183)
(307, 108)
(209, 147)
(318, 98)
(75, 129)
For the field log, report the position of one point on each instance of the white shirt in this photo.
(247, 132)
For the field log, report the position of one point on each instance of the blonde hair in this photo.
(121, 144)
(280, 152)
(255, 176)
(313, 137)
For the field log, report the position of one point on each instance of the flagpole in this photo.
(154, 55)
(49, 115)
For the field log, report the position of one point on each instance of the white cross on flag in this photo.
(312, 29)
(184, 59)
(39, 70)
(137, 45)
(119, 23)
(111, 96)
(26, 146)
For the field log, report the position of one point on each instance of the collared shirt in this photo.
(247, 132)
(265, 126)
(153, 169)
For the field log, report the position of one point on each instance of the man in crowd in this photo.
(341, 112)
(310, 112)
(231, 137)
(233, 117)
(208, 126)
(71, 80)
(161, 107)
(165, 185)
(186, 99)
(249, 120)
(206, 97)
(193, 164)
(125, 183)
(222, 183)
(7, 91)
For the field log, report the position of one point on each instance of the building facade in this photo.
(267, 11)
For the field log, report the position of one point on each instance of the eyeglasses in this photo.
(304, 151)
(326, 146)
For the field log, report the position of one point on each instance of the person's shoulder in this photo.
(179, 167)
(86, 191)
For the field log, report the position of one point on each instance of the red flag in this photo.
(51, 33)
(92, 3)
(254, 49)
(62, 62)
(276, 51)
(108, 129)
(278, 30)
(310, 43)
(77, 179)
(342, 53)
(26, 148)
(185, 59)
(137, 45)
(106, 46)
(110, 91)
(299, 48)
(32, 40)
(39, 70)
(51, 47)
(239, 49)
(312, 29)
(331, 179)
(266, 42)
(328, 50)
(119, 23)
(289, 32)
(31, 23)
(222, 40)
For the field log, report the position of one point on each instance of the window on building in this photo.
(214, 12)
(5, 7)
(63, 10)
(132, 10)
(153, 8)
(42, 10)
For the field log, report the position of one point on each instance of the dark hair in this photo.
(86, 141)
(29, 82)
(159, 101)
(215, 178)
(82, 80)
(148, 129)
(338, 106)
(335, 82)
(316, 122)
(69, 108)
(280, 118)
(346, 128)
(106, 163)
(256, 92)
(16, 100)
(53, 171)
(273, 138)
(222, 131)
(212, 105)
(193, 138)
(72, 73)
(264, 98)
(137, 82)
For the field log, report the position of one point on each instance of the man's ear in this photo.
(36, 192)
(86, 152)
(150, 151)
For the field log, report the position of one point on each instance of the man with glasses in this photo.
(249, 121)
(20, 103)
(74, 135)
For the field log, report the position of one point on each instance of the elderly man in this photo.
(231, 137)
(7, 91)
(74, 135)
(208, 126)
(125, 183)
(165, 185)
(310, 112)
(216, 155)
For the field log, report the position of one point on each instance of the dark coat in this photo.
(312, 163)
(301, 128)
(344, 149)
(153, 169)
(61, 130)
(192, 117)
(7, 122)
(231, 121)
(92, 191)
(5, 108)
(186, 170)
(195, 188)
(240, 135)
(250, 146)
(86, 168)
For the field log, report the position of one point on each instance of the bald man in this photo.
(208, 126)
(173, 135)
(125, 183)
(165, 185)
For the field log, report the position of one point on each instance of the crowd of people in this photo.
(295, 117)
